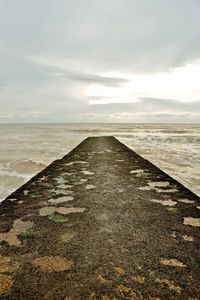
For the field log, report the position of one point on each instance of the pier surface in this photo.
(100, 223)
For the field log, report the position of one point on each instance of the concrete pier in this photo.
(100, 223)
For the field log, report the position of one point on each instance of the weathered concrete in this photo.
(101, 223)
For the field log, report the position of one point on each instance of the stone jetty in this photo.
(101, 223)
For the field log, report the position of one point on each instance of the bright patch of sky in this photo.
(181, 84)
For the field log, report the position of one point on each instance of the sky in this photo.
(100, 61)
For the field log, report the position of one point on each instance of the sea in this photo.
(25, 149)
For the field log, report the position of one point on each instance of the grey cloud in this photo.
(143, 117)
(148, 105)
(85, 77)
(19, 70)
(145, 110)
(88, 38)
(135, 35)
(96, 79)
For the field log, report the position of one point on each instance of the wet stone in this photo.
(142, 175)
(53, 263)
(165, 202)
(60, 180)
(192, 221)
(187, 201)
(101, 279)
(109, 243)
(174, 234)
(76, 162)
(90, 187)
(5, 283)
(159, 187)
(69, 174)
(145, 188)
(188, 238)
(138, 171)
(172, 262)
(50, 210)
(46, 211)
(127, 292)
(159, 184)
(138, 279)
(61, 200)
(65, 186)
(57, 218)
(166, 190)
(67, 236)
(172, 209)
(70, 210)
(169, 284)
(91, 154)
(78, 183)
(64, 192)
(119, 270)
(87, 173)
(18, 227)
(69, 164)
(12, 199)
(8, 265)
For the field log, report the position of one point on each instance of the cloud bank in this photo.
(54, 53)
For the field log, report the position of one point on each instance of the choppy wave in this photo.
(15, 173)
(27, 149)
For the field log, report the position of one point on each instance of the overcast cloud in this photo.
(99, 61)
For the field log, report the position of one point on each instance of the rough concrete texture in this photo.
(118, 230)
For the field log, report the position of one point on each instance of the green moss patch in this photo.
(26, 234)
(57, 218)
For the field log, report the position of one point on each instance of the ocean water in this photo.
(26, 149)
